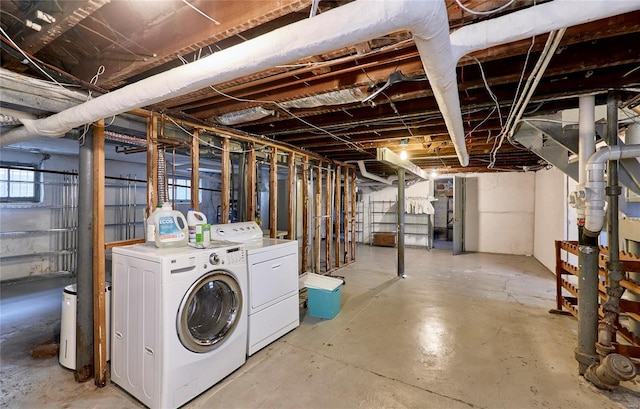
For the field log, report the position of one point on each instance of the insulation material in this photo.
(344, 96)
(245, 115)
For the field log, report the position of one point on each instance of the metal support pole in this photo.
(401, 223)
(585, 353)
(84, 312)
(612, 367)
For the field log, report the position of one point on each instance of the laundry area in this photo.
(248, 215)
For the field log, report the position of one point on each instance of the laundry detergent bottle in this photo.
(150, 227)
(171, 228)
(195, 219)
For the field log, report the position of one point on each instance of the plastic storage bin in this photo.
(67, 354)
(323, 295)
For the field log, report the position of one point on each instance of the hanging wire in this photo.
(484, 13)
(27, 57)
(201, 12)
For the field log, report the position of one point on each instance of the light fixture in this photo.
(403, 153)
(434, 173)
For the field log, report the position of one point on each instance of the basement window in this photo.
(182, 189)
(19, 183)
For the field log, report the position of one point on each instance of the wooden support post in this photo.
(354, 197)
(226, 177)
(337, 195)
(152, 164)
(291, 219)
(195, 170)
(99, 285)
(317, 217)
(346, 216)
(251, 184)
(328, 205)
(305, 214)
(273, 194)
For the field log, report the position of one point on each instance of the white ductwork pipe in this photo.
(586, 146)
(594, 190)
(534, 21)
(371, 176)
(343, 26)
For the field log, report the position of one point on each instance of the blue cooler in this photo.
(323, 295)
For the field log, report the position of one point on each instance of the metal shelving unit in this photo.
(383, 223)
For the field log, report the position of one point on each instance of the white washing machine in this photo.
(272, 264)
(179, 320)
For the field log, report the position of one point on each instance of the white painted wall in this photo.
(549, 219)
(499, 213)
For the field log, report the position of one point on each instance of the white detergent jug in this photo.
(171, 228)
(150, 227)
(195, 219)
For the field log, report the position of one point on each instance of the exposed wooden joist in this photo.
(273, 193)
(99, 284)
(195, 170)
(152, 164)
(354, 197)
(291, 216)
(74, 12)
(346, 217)
(317, 217)
(251, 183)
(337, 195)
(305, 214)
(187, 32)
(226, 178)
(328, 226)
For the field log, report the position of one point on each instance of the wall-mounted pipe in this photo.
(594, 190)
(612, 367)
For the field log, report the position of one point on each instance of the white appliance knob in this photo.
(214, 259)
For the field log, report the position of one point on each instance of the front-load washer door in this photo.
(209, 311)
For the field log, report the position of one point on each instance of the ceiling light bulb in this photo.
(403, 155)
(434, 174)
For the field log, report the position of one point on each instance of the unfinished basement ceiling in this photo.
(316, 103)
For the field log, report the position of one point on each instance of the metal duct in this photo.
(244, 115)
(343, 96)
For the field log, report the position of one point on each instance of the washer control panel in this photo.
(227, 256)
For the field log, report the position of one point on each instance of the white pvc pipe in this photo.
(586, 140)
(534, 21)
(343, 26)
(595, 185)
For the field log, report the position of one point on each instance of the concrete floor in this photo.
(466, 332)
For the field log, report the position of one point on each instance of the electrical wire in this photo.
(491, 94)
(27, 57)
(201, 12)
(345, 141)
(484, 13)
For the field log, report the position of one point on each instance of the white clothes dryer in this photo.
(179, 320)
(272, 264)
